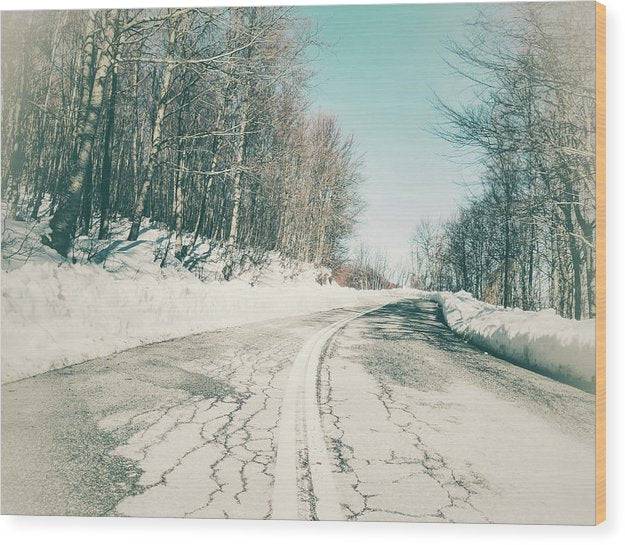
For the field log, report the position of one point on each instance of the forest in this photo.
(526, 237)
(198, 120)
(194, 118)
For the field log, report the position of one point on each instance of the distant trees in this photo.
(367, 269)
(192, 117)
(528, 239)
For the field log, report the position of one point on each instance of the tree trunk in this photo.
(156, 141)
(205, 191)
(40, 185)
(178, 250)
(236, 179)
(87, 197)
(506, 263)
(577, 276)
(18, 156)
(63, 223)
(105, 182)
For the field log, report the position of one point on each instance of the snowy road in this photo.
(384, 415)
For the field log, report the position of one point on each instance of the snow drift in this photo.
(54, 316)
(118, 295)
(543, 341)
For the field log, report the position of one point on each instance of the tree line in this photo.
(367, 269)
(527, 239)
(195, 118)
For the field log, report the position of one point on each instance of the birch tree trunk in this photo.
(156, 140)
(63, 223)
(178, 203)
(236, 178)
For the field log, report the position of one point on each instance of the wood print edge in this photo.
(600, 151)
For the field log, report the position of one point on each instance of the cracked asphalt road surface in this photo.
(356, 414)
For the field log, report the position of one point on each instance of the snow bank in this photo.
(117, 296)
(56, 314)
(552, 345)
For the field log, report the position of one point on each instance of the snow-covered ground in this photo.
(563, 349)
(117, 295)
(54, 316)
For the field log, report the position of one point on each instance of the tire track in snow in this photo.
(300, 430)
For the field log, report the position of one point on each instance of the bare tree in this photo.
(193, 118)
(528, 239)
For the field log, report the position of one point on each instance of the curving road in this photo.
(356, 414)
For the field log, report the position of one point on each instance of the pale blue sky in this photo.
(377, 72)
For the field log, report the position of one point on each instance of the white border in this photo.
(94, 531)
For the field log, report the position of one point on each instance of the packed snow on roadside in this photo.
(561, 348)
(118, 296)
